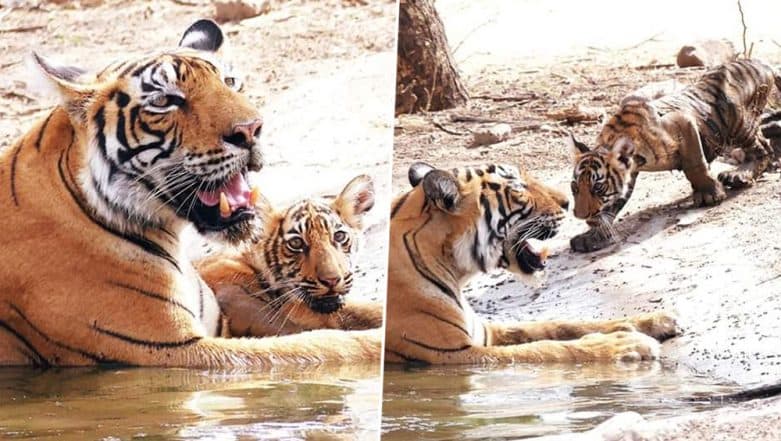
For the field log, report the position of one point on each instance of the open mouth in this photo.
(530, 260)
(230, 204)
(324, 304)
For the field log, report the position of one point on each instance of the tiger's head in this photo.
(602, 176)
(487, 214)
(168, 138)
(306, 251)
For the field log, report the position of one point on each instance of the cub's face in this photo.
(172, 139)
(497, 210)
(307, 255)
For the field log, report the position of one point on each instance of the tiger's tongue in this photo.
(236, 191)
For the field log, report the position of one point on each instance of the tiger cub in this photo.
(685, 130)
(296, 276)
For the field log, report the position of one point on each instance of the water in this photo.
(155, 404)
(477, 403)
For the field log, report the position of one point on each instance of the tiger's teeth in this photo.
(254, 196)
(225, 207)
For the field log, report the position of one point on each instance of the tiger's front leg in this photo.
(359, 316)
(601, 231)
(659, 325)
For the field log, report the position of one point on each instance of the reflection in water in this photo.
(325, 404)
(476, 403)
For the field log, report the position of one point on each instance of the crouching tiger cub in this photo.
(295, 277)
(454, 224)
(93, 200)
(685, 130)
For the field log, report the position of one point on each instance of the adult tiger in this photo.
(684, 130)
(455, 224)
(295, 277)
(94, 197)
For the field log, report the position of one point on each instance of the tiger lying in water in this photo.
(685, 131)
(93, 200)
(295, 277)
(454, 224)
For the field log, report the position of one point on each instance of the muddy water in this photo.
(185, 404)
(525, 401)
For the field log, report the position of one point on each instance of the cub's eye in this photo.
(295, 244)
(233, 83)
(340, 236)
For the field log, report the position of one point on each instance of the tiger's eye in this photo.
(159, 101)
(340, 236)
(295, 243)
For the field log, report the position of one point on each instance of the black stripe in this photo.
(43, 129)
(142, 242)
(153, 295)
(147, 343)
(398, 205)
(455, 325)
(13, 172)
(410, 243)
(88, 355)
(434, 348)
(37, 358)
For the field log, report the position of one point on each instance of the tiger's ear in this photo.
(623, 150)
(62, 82)
(442, 188)
(203, 35)
(577, 147)
(355, 200)
(417, 172)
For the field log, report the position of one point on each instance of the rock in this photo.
(491, 135)
(237, 10)
(706, 53)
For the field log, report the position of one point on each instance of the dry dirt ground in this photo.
(320, 71)
(719, 268)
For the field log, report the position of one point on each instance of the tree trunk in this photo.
(426, 79)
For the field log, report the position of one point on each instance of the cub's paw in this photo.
(659, 325)
(736, 179)
(706, 197)
(619, 346)
(591, 240)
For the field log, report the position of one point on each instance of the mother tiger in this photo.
(94, 197)
(454, 224)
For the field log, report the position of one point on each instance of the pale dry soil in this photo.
(718, 269)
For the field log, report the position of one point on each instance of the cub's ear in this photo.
(355, 200)
(623, 150)
(577, 147)
(417, 172)
(62, 82)
(203, 35)
(442, 188)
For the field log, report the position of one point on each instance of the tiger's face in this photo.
(601, 176)
(499, 209)
(171, 140)
(306, 254)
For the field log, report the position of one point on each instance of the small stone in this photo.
(491, 135)
(237, 10)
(707, 53)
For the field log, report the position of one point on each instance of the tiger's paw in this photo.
(619, 346)
(736, 179)
(591, 240)
(659, 325)
(707, 197)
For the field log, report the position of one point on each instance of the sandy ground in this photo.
(320, 71)
(718, 269)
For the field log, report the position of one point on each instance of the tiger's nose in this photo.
(244, 135)
(330, 282)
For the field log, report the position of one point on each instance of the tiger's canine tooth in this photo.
(254, 196)
(225, 208)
